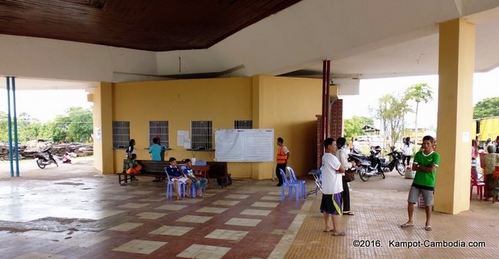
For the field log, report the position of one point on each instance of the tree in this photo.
(392, 110)
(486, 108)
(81, 124)
(27, 128)
(3, 127)
(353, 126)
(75, 126)
(418, 93)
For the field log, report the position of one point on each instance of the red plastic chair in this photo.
(480, 185)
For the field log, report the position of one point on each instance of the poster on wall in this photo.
(244, 145)
(182, 136)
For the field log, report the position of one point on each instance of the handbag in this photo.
(349, 175)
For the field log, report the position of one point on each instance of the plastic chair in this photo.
(293, 179)
(317, 174)
(286, 183)
(169, 186)
(480, 185)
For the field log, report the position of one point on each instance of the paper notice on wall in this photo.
(182, 135)
(97, 134)
(466, 137)
(187, 143)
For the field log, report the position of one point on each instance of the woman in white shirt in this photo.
(342, 156)
(407, 152)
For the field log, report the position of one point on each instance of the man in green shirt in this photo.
(425, 164)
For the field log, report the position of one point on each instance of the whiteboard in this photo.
(244, 145)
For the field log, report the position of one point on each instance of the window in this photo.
(121, 134)
(243, 124)
(201, 133)
(159, 129)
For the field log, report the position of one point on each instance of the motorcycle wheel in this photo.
(400, 169)
(362, 174)
(40, 164)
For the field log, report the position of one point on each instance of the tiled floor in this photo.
(72, 212)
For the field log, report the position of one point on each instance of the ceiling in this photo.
(118, 41)
(145, 25)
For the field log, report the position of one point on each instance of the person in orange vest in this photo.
(282, 159)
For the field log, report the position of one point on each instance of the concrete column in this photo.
(262, 118)
(102, 98)
(455, 110)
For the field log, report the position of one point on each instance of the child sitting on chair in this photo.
(199, 181)
(178, 177)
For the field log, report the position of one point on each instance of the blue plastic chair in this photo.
(286, 183)
(302, 183)
(169, 186)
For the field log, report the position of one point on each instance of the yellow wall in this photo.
(103, 131)
(489, 128)
(287, 105)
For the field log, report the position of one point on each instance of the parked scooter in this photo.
(44, 158)
(393, 163)
(366, 166)
(356, 157)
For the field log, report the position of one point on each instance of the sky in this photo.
(45, 105)
(485, 85)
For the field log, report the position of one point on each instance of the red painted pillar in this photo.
(325, 98)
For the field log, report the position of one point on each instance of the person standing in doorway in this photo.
(425, 164)
(332, 187)
(282, 159)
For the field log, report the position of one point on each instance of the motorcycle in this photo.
(367, 166)
(394, 162)
(44, 158)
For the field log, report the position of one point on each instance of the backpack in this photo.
(228, 179)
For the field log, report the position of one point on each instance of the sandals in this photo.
(407, 225)
(339, 234)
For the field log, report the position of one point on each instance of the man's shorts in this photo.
(414, 196)
(331, 204)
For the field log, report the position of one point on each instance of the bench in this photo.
(157, 169)
(219, 170)
(149, 168)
